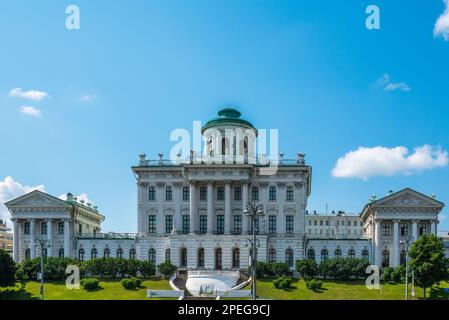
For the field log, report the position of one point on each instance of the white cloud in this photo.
(87, 98)
(34, 95)
(81, 196)
(30, 111)
(10, 189)
(442, 24)
(381, 161)
(384, 81)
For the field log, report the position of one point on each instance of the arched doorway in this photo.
(200, 263)
(183, 262)
(218, 259)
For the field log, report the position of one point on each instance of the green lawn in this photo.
(338, 290)
(113, 290)
(109, 290)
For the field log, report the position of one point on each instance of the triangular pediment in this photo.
(408, 198)
(37, 198)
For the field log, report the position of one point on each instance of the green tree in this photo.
(7, 269)
(166, 268)
(146, 268)
(307, 268)
(428, 262)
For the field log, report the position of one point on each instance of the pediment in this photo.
(37, 199)
(408, 198)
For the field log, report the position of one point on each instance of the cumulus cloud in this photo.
(30, 111)
(10, 189)
(385, 82)
(441, 28)
(34, 95)
(381, 161)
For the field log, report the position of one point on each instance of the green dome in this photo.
(228, 116)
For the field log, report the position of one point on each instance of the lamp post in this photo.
(406, 241)
(44, 244)
(253, 210)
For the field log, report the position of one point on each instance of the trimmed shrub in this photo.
(128, 283)
(283, 283)
(90, 283)
(137, 282)
(314, 284)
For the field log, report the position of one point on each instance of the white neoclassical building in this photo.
(190, 212)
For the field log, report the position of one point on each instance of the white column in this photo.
(433, 227)
(142, 199)
(377, 247)
(246, 220)
(210, 208)
(415, 230)
(67, 238)
(32, 238)
(160, 218)
(178, 203)
(193, 208)
(228, 216)
(15, 248)
(396, 254)
(50, 237)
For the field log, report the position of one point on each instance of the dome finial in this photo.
(229, 113)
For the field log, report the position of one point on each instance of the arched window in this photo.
(106, 253)
(324, 255)
(365, 254)
(119, 253)
(167, 255)
(132, 253)
(93, 253)
(81, 254)
(152, 255)
(289, 257)
(61, 253)
(337, 253)
(236, 258)
(272, 255)
(201, 258)
(27, 254)
(403, 257)
(311, 254)
(351, 253)
(183, 258)
(385, 258)
(223, 146)
(218, 259)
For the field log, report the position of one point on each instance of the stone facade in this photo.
(191, 212)
(6, 237)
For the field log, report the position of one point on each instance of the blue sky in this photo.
(134, 72)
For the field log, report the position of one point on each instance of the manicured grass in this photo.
(109, 290)
(338, 290)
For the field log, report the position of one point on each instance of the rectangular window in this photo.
(255, 193)
(237, 194)
(349, 223)
(168, 223)
(272, 193)
(289, 194)
(80, 229)
(220, 224)
(185, 193)
(60, 227)
(152, 193)
(44, 228)
(203, 193)
(185, 224)
(404, 230)
(203, 224)
(272, 224)
(422, 229)
(26, 228)
(152, 224)
(238, 224)
(385, 229)
(289, 224)
(168, 194)
(220, 193)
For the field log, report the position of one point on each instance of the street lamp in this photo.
(253, 210)
(44, 244)
(406, 241)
